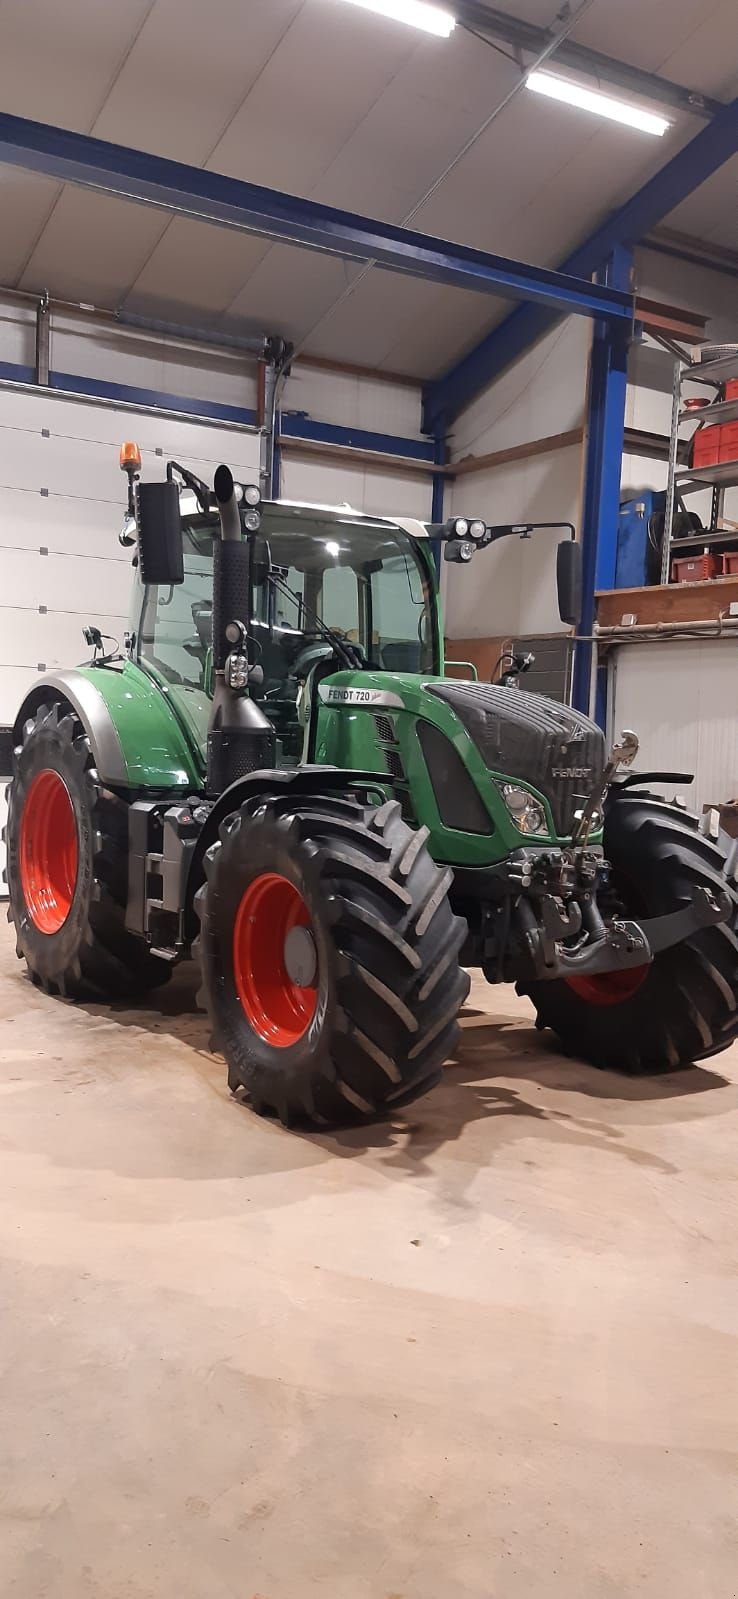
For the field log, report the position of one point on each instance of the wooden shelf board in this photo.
(679, 602)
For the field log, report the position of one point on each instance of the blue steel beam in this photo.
(605, 425)
(294, 427)
(439, 490)
(211, 197)
(712, 147)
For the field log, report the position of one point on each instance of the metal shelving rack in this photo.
(689, 480)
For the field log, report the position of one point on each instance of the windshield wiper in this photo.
(350, 656)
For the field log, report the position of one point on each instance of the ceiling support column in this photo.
(608, 375)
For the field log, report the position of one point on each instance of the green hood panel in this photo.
(370, 720)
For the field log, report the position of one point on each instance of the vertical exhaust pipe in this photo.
(240, 736)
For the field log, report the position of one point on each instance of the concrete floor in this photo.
(488, 1350)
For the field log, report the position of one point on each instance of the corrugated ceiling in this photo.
(326, 100)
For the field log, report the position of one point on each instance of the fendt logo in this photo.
(331, 694)
(571, 771)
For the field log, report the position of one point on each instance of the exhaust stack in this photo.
(240, 736)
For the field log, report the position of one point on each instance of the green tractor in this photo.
(276, 775)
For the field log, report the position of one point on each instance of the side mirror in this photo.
(159, 529)
(569, 581)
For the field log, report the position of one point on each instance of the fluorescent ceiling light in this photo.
(603, 105)
(418, 13)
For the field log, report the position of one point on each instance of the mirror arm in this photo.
(523, 530)
(199, 489)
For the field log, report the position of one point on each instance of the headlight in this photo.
(252, 520)
(595, 820)
(477, 530)
(461, 527)
(252, 494)
(527, 814)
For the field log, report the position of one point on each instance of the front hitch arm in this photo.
(626, 943)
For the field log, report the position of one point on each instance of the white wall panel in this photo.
(19, 635)
(354, 401)
(17, 332)
(540, 395)
(173, 366)
(70, 450)
(680, 698)
(511, 588)
(63, 525)
(15, 681)
(379, 493)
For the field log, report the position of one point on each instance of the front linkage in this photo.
(541, 918)
(538, 915)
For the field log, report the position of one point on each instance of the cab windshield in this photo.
(361, 578)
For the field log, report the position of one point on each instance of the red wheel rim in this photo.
(49, 852)
(609, 988)
(278, 1008)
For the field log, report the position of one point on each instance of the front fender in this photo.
(305, 780)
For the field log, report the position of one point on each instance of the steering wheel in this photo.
(308, 657)
(321, 649)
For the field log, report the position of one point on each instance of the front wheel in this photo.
(329, 958)
(684, 1005)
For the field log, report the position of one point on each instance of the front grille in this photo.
(555, 749)
(394, 765)
(385, 728)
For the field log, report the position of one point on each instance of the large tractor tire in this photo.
(329, 958)
(684, 1005)
(67, 867)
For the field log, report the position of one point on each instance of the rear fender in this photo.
(89, 706)
(136, 738)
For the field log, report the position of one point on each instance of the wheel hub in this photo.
(48, 852)
(300, 957)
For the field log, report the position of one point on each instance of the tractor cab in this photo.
(323, 581)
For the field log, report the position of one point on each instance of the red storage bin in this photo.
(729, 442)
(706, 446)
(729, 561)
(731, 389)
(694, 568)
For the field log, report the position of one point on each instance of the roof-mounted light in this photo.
(129, 458)
(417, 13)
(602, 105)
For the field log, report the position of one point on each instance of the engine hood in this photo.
(520, 735)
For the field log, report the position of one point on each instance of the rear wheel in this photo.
(684, 1005)
(67, 866)
(329, 957)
